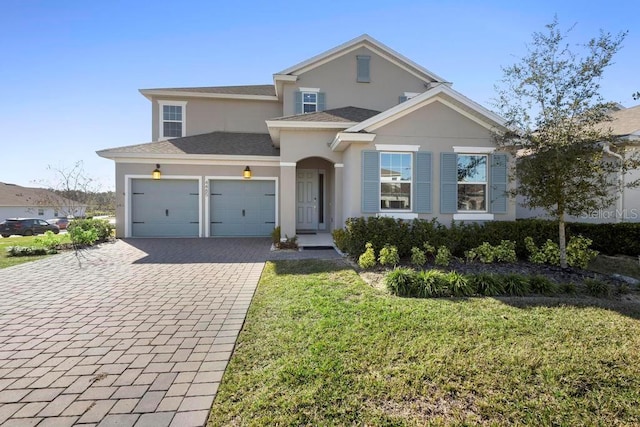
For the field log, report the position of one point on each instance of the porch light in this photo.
(247, 172)
(156, 172)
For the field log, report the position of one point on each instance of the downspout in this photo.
(607, 149)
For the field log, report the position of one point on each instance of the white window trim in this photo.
(315, 103)
(309, 89)
(486, 191)
(396, 148)
(473, 150)
(398, 215)
(161, 104)
(396, 211)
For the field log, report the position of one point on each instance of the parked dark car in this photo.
(26, 227)
(62, 223)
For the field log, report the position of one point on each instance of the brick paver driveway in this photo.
(136, 332)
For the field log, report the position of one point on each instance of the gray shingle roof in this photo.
(16, 195)
(226, 143)
(266, 90)
(344, 114)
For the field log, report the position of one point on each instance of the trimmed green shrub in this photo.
(389, 256)
(89, 231)
(487, 284)
(459, 285)
(402, 282)
(340, 238)
(542, 285)
(443, 256)
(49, 240)
(597, 288)
(368, 258)
(418, 258)
(515, 284)
(578, 252)
(486, 253)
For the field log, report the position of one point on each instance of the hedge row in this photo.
(610, 239)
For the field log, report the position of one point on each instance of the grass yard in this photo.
(320, 347)
(6, 261)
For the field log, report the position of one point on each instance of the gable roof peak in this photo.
(353, 44)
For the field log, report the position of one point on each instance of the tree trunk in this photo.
(562, 240)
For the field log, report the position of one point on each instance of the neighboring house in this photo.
(358, 130)
(625, 124)
(28, 202)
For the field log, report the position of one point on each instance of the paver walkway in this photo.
(135, 332)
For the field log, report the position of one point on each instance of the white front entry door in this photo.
(307, 199)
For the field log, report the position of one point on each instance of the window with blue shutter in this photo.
(363, 66)
(423, 182)
(370, 182)
(321, 99)
(499, 178)
(448, 183)
(308, 102)
(297, 102)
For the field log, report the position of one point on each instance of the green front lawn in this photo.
(320, 347)
(6, 261)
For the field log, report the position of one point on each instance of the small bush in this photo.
(275, 235)
(340, 238)
(432, 283)
(487, 284)
(596, 288)
(443, 256)
(418, 258)
(569, 288)
(389, 256)
(49, 240)
(89, 231)
(542, 285)
(515, 284)
(579, 253)
(368, 258)
(18, 251)
(402, 282)
(459, 285)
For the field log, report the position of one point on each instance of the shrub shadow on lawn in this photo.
(627, 305)
(310, 266)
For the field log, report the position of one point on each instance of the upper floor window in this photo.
(472, 182)
(308, 100)
(395, 181)
(172, 119)
(364, 68)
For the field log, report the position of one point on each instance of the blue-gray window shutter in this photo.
(423, 182)
(448, 183)
(499, 183)
(364, 74)
(370, 181)
(297, 102)
(321, 101)
(401, 99)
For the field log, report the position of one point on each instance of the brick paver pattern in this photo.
(132, 333)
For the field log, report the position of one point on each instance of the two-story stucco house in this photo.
(358, 130)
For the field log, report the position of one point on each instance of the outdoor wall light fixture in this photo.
(156, 174)
(247, 172)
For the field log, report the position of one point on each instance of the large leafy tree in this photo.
(568, 161)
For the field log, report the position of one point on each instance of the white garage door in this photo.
(242, 208)
(164, 208)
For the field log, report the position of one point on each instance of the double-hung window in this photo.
(172, 119)
(395, 181)
(309, 102)
(472, 182)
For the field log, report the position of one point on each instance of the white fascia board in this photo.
(280, 80)
(189, 94)
(344, 139)
(427, 98)
(192, 159)
(284, 124)
(371, 43)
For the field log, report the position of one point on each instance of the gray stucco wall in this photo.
(337, 79)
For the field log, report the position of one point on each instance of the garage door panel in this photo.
(165, 208)
(242, 208)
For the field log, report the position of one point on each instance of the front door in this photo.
(307, 199)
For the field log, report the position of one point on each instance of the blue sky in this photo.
(70, 71)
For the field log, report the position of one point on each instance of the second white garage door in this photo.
(242, 208)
